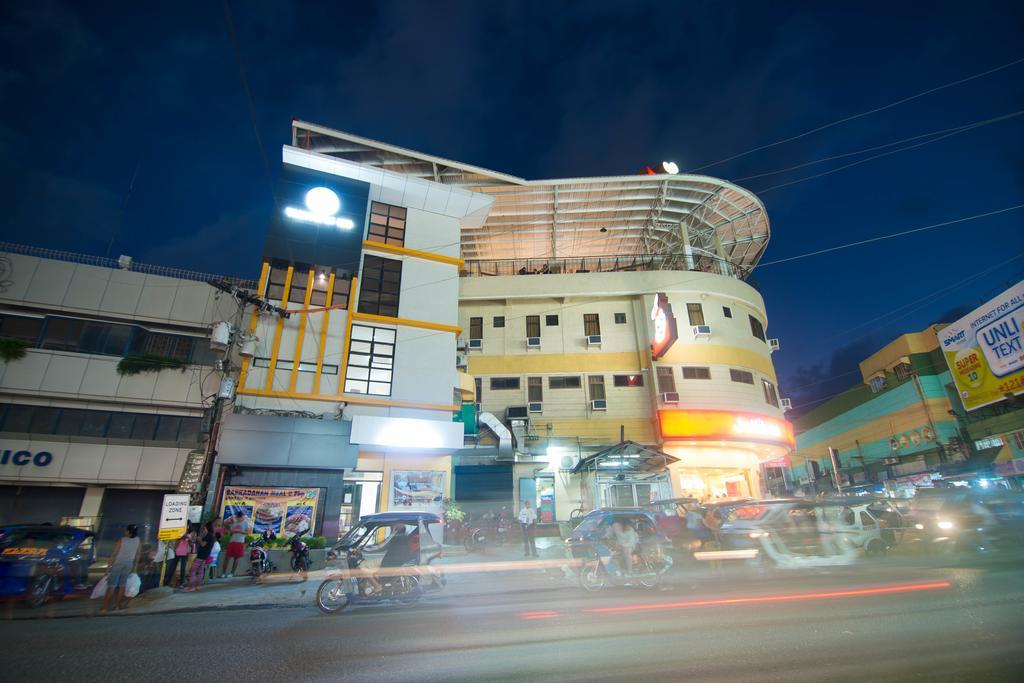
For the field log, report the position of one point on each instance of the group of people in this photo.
(202, 544)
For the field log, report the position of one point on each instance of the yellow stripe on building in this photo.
(280, 329)
(343, 365)
(415, 253)
(323, 335)
(301, 336)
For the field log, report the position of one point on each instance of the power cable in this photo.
(862, 114)
(944, 132)
(248, 98)
(891, 236)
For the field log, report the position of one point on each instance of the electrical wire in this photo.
(861, 114)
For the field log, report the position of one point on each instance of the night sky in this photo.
(94, 94)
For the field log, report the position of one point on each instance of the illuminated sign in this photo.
(665, 332)
(724, 425)
(322, 206)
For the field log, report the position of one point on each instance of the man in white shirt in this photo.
(528, 522)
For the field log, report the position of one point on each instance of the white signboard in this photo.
(173, 516)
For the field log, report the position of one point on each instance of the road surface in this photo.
(870, 622)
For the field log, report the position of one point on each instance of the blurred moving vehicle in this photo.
(955, 519)
(603, 563)
(396, 540)
(40, 561)
(801, 533)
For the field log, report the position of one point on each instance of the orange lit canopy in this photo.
(725, 425)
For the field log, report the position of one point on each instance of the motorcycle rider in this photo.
(399, 551)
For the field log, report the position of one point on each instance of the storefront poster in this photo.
(421, 490)
(285, 511)
(985, 350)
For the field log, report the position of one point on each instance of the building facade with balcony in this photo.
(90, 428)
(555, 302)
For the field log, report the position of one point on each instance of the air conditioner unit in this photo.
(461, 361)
(773, 345)
(787, 404)
(533, 342)
(476, 343)
(516, 413)
(702, 331)
(599, 404)
(568, 462)
(670, 397)
(593, 340)
(536, 407)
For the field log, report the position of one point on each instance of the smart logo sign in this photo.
(985, 350)
(665, 331)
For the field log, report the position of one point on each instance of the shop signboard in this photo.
(284, 511)
(420, 490)
(725, 425)
(985, 350)
(665, 330)
(173, 516)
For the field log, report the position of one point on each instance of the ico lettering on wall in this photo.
(26, 458)
(985, 350)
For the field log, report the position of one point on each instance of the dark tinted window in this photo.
(504, 383)
(696, 373)
(533, 326)
(756, 328)
(189, 432)
(551, 320)
(144, 427)
(387, 224)
(628, 380)
(95, 423)
(382, 281)
(44, 420)
(741, 376)
(476, 328)
(18, 419)
(499, 321)
(564, 383)
(17, 327)
(70, 421)
(120, 425)
(620, 318)
(62, 334)
(167, 428)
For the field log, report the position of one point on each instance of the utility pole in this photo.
(833, 453)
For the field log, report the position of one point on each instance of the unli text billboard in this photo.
(985, 350)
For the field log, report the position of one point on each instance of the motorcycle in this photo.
(406, 586)
(600, 572)
(299, 551)
(259, 559)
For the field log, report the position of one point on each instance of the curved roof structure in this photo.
(681, 222)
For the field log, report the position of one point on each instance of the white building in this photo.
(78, 438)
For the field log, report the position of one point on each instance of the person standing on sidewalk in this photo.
(179, 562)
(237, 527)
(528, 522)
(211, 563)
(123, 562)
(204, 546)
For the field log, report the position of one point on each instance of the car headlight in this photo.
(919, 526)
(944, 524)
(758, 534)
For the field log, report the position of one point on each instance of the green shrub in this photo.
(12, 349)
(133, 365)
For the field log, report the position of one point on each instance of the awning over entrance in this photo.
(628, 458)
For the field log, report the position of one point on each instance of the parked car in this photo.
(40, 561)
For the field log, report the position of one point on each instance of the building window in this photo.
(297, 291)
(696, 314)
(696, 373)
(1018, 440)
(476, 328)
(305, 366)
(387, 224)
(318, 295)
(877, 383)
(595, 386)
(275, 282)
(591, 324)
(628, 380)
(62, 334)
(342, 288)
(21, 328)
(535, 389)
(564, 382)
(100, 424)
(504, 383)
(741, 376)
(903, 371)
(378, 291)
(726, 311)
(756, 328)
(666, 379)
(620, 318)
(371, 360)
(499, 321)
(533, 326)
(770, 395)
(551, 320)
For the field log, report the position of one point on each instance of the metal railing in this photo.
(103, 262)
(592, 264)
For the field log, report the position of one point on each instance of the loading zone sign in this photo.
(173, 516)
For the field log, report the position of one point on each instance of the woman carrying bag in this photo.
(123, 562)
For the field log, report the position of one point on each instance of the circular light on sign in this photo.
(322, 201)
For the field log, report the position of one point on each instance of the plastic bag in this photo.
(100, 590)
(132, 585)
